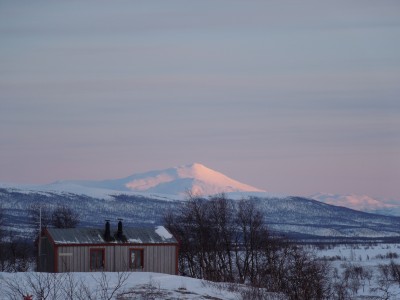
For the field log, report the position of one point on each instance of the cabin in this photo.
(152, 249)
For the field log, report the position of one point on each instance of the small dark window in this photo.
(96, 259)
(136, 259)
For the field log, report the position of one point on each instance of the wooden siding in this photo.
(46, 256)
(156, 258)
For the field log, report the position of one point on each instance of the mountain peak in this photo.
(198, 171)
(195, 178)
(206, 181)
(193, 169)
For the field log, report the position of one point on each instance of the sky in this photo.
(293, 97)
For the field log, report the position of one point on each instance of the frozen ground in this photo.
(359, 268)
(138, 285)
(365, 254)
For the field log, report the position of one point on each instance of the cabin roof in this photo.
(147, 235)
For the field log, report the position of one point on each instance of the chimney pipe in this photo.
(119, 231)
(107, 232)
(119, 235)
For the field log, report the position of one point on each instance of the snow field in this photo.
(370, 283)
(135, 285)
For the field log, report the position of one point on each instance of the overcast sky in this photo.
(294, 97)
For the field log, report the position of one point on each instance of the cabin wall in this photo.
(45, 255)
(156, 258)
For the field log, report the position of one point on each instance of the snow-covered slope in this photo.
(194, 178)
(294, 216)
(135, 285)
(360, 202)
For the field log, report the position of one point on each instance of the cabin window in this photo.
(136, 259)
(96, 259)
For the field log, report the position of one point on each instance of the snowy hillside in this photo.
(175, 183)
(144, 199)
(360, 202)
(96, 285)
(294, 216)
(195, 178)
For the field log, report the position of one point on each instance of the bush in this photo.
(227, 241)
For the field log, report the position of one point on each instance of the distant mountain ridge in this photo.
(175, 184)
(295, 217)
(194, 178)
(144, 198)
(360, 202)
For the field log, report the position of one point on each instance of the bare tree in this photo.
(64, 217)
(222, 240)
(206, 231)
(221, 216)
(61, 216)
(253, 238)
(306, 277)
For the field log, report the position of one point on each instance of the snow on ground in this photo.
(138, 285)
(368, 257)
(365, 254)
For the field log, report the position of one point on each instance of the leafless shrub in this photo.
(256, 293)
(13, 288)
(388, 255)
(41, 285)
(70, 286)
(243, 291)
(340, 290)
(107, 290)
(15, 255)
(45, 285)
(150, 291)
(62, 286)
(227, 241)
(395, 271)
(302, 276)
(386, 282)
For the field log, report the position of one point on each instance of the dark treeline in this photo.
(15, 253)
(228, 241)
(18, 255)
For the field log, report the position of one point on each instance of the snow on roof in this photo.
(147, 235)
(163, 232)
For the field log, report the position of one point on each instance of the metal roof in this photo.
(148, 235)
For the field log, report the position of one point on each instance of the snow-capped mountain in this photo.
(144, 198)
(360, 202)
(194, 178)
